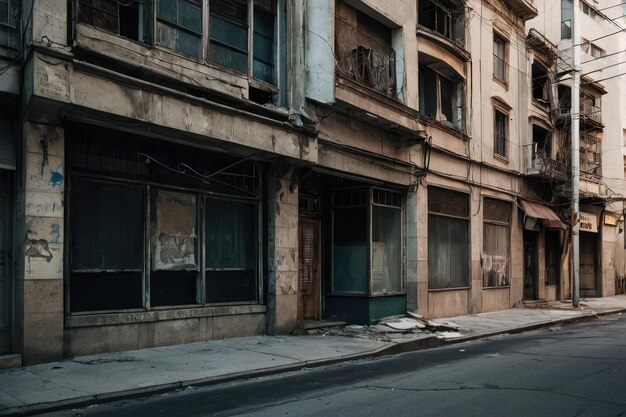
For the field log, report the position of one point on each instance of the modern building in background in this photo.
(186, 170)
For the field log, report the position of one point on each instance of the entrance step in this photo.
(536, 304)
(322, 324)
(11, 360)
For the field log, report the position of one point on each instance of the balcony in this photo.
(365, 59)
(539, 165)
(590, 116)
(526, 9)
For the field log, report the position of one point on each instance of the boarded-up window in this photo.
(496, 243)
(448, 239)
(231, 250)
(173, 246)
(106, 244)
(179, 26)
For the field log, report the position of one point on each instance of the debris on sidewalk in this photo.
(396, 327)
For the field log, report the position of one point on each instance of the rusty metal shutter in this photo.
(7, 142)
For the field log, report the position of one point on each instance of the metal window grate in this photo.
(448, 202)
(386, 198)
(352, 198)
(496, 210)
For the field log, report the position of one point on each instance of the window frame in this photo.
(500, 41)
(498, 223)
(504, 137)
(459, 95)
(467, 220)
(150, 191)
(369, 203)
(11, 27)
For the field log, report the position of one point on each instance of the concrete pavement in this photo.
(105, 377)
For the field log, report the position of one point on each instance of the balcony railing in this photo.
(365, 59)
(591, 112)
(537, 163)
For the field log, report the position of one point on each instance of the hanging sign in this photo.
(588, 222)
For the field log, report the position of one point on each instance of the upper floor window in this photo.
(540, 84)
(9, 10)
(543, 139)
(363, 49)
(179, 26)
(441, 96)
(566, 19)
(231, 24)
(444, 17)
(240, 34)
(129, 20)
(500, 58)
(500, 129)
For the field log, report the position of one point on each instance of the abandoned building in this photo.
(184, 170)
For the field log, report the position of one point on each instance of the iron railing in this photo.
(365, 59)
(538, 163)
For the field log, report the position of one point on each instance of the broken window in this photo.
(444, 17)
(500, 52)
(179, 26)
(229, 27)
(441, 94)
(496, 254)
(448, 239)
(543, 138)
(9, 14)
(129, 19)
(141, 232)
(590, 157)
(367, 261)
(363, 48)
(540, 84)
(173, 248)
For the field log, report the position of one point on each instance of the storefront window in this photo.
(367, 260)
(138, 222)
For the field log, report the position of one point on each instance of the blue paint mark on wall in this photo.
(55, 233)
(56, 178)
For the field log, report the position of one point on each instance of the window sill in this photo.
(501, 287)
(439, 125)
(162, 314)
(501, 158)
(449, 289)
(503, 83)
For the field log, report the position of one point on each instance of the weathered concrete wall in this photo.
(495, 299)
(98, 337)
(40, 214)
(283, 250)
(448, 303)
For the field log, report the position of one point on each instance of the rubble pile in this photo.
(394, 328)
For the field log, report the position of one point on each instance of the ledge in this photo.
(114, 319)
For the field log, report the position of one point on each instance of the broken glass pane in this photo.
(173, 231)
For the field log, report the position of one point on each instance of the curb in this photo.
(391, 349)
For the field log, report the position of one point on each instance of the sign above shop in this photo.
(588, 222)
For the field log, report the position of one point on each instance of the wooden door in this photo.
(587, 272)
(309, 269)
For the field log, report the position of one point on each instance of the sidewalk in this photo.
(92, 379)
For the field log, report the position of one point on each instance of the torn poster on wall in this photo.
(173, 232)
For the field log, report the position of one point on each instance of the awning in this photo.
(545, 213)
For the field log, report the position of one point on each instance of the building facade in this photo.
(190, 170)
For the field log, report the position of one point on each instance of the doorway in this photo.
(530, 265)
(588, 257)
(6, 287)
(309, 306)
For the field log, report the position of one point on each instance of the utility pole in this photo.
(575, 124)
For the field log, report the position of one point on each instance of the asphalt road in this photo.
(577, 370)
